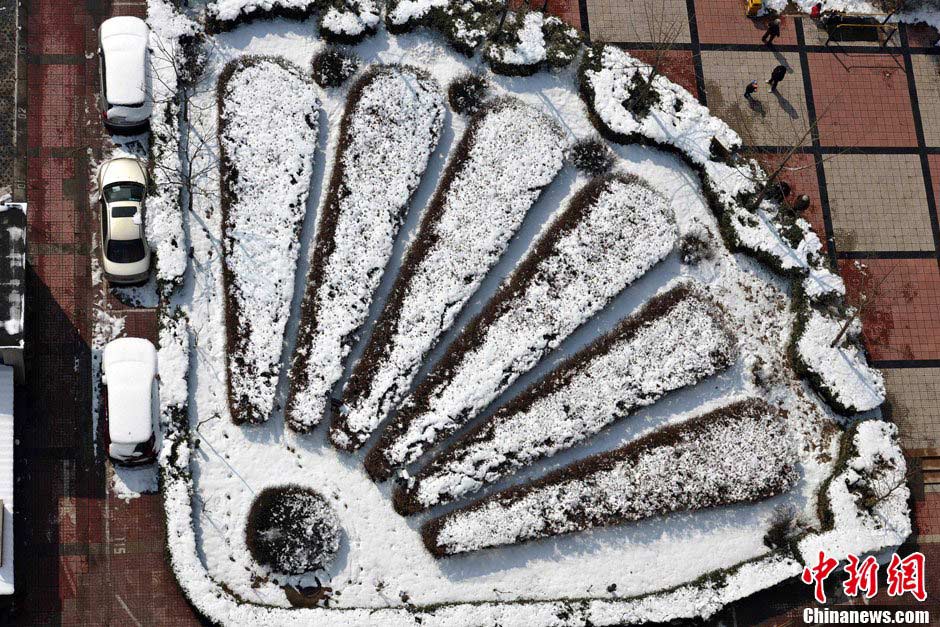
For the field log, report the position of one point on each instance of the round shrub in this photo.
(467, 93)
(696, 246)
(292, 530)
(332, 67)
(592, 156)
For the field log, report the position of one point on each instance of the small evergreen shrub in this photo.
(292, 530)
(467, 93)
(592, 156)
(695, 247)
(332, 67)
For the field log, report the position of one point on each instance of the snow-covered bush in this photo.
(175, 41)
(732, 185)
(464, 23)
(332, 67)
(696, 246)
(509, 153)
(840, 374)
(863, 506)
(611, 233)
(678, 339)
(530, 40)
(340, 21)
(267, 139)
(467, 93)
(348, 21)
(591, 156)
(377, 169)
(682, 467)
(292, 530)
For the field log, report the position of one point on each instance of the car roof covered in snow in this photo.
(12, 268)
(122, 170)
(124, 44)
(130, 364)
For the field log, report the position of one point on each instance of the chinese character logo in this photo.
(907, 575)
(817, 575)
(904, 575)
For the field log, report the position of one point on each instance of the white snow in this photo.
(625, 231)
(164, 224)
(875, 462)
(515, 152)
(687, 344)
(843, 369)
(927, 12)
(224, 10)
(686, 473)
(405, 11)
(391, 134)
(531, 47)
(269, 136)
(353, 19)
(381, 557)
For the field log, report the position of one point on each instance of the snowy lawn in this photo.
(500, 181)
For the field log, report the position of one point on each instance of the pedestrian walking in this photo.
(772, 32)
(750, 89)
(776, 76)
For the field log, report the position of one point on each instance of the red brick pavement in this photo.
(862, 100)
(724, 22)
(903, 319)
(676, 65)
(84, 557)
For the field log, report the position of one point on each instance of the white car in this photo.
(125, 255)
(129, 369)
(123, 67)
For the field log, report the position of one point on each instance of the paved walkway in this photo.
(83, 556)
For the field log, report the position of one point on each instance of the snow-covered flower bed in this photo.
(509, 153)
(267, 135)
(681, 467)
(391, 128)
(341, 21)
(841, 372)
(678, 339)
(695, 563)
(464, 23)
(530, 41)
(614, 230)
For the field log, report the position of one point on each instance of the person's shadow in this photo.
(756, 106)
(785, 105)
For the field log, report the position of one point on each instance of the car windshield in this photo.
(125, 250)
(129, 192)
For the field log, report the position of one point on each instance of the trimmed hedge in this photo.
(339, 191)
(608, 488)
(507, 216)
(480, 443)
(532, 312)
(332, 67)
(292, 530)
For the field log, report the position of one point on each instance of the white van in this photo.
(129, 368)
(124, 72)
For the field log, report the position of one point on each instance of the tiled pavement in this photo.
(83, 556)
(871, 167)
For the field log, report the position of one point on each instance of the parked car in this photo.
(125, 255)
(129, 368)
(123, 67)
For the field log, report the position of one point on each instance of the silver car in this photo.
(125, 255)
